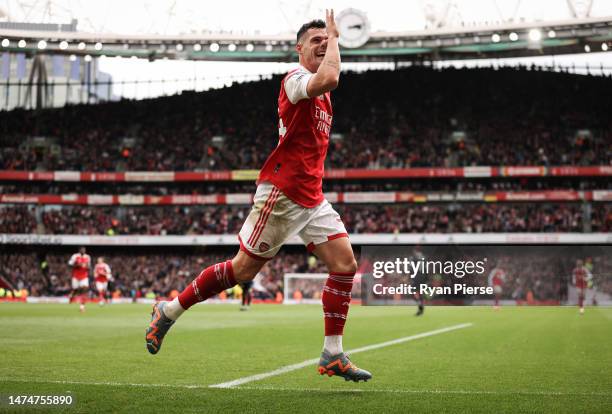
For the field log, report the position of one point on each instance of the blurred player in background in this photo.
(246, 294)
(418, 297)
(417, 281)
(588, 264)
(80, 263)
(581, 278)
(289, 202)
(102, 275)
(496, 281)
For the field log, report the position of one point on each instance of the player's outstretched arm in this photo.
(327, 76)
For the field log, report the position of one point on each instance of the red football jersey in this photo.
(497, 276)
(580, 276)
(102, 272)
(80, 265)
(296, 165)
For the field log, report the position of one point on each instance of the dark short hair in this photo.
(313, 24)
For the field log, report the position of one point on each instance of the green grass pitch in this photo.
(518, 359)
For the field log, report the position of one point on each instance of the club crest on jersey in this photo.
(263, 246)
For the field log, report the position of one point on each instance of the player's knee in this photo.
(352, 266)
(245, 268)
(348, 265)
(244, 273)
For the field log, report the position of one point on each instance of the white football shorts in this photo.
(80, 283)
(101, 286)
(274, 219)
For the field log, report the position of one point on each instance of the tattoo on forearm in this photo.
(333, 63)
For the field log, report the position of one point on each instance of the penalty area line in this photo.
(303, 364)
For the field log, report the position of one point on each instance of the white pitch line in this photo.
(306, 389)
(303, 364)
(105, 383)
(407, 391)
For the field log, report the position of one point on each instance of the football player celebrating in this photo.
(289, 202)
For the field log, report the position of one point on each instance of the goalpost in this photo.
(306, 288)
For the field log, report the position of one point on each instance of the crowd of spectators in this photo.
(18, 219)
(135, 275)
(144, 220)
(358, 218)
(466, 218)
(410, 117)
(545, 273)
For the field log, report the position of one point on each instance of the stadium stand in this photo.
(413, 117)
(436, 151)
(395, 218)
(139, 273)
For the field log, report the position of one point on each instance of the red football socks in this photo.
(336, 298)
(211, 281)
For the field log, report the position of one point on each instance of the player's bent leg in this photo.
(246, 266)
(337, 254)
(158, 327)
(208, 283)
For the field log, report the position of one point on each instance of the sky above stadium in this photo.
(274, 17)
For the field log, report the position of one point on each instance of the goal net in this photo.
(308, 287)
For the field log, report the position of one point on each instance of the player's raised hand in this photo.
(330, 23)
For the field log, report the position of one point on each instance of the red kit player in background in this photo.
(289, 202)
(102, 274)
(581, 278)
(497, 277)
(81, 263)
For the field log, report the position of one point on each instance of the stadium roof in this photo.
(506, 40)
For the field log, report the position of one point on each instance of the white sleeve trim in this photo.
(296, 84)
